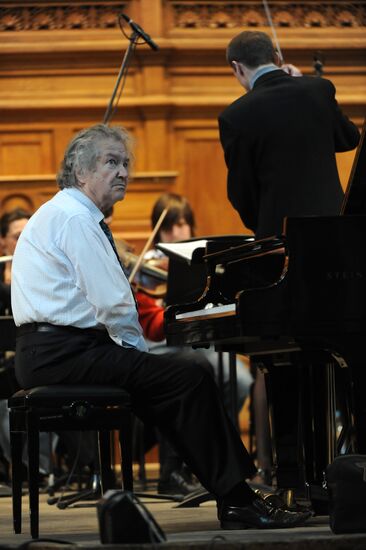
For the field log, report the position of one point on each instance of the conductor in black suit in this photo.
(280, 139)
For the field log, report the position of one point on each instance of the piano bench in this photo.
(60, 407)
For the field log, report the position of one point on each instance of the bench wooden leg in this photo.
(33, 473)
(16, 446)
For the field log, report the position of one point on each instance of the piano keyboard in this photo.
(209, 313)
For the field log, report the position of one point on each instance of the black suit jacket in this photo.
(279, 141)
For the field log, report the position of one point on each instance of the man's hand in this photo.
(291, 69)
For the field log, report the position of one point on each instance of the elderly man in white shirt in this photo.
(78, 323)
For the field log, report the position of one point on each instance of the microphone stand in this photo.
(318, 64)
(121, 75)
(137, 32)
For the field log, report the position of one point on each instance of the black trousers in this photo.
(178, 395)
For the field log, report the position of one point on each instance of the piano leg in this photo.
(233, 385)
(220, 373)
(283, 383)
(260, 417)
(297, 388)
(351, 388)
(307, 391)
(233, 389)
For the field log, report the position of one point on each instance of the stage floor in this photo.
(184, 528)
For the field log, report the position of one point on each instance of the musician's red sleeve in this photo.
(151, 317)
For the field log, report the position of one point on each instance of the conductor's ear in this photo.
(237, 68)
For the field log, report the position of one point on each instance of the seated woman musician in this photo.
(178, 224)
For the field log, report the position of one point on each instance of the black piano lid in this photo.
(199, 249)
(187, 277)
(354, 202)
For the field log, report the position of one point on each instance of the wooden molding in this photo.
(154, 178)
(187, 16)
(43, 15)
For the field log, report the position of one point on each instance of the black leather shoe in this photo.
(259, 515)
(178, 483)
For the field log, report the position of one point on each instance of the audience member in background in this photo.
(12, 224)
(178, 224)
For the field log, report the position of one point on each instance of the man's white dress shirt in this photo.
(65, 272)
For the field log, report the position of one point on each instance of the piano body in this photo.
(297, 306)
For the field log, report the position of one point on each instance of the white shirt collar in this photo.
(264, 69)
(86, 201)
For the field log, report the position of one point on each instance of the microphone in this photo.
(138, 30)
(318, 64)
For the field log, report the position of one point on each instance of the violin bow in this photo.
(147, 245)
(4, 259)
(273, 29)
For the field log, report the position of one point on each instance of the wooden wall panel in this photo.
(26, 152)
(202, 178)
(28, 192)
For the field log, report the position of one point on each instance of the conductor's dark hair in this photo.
(252, 48)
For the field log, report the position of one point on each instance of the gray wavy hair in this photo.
(83, 151)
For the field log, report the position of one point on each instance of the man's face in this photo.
(107, 182)
(10, 240)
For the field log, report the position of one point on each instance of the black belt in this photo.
(29, 328)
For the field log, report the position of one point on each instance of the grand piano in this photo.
(296, 305)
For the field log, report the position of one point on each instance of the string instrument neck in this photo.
(147, 268)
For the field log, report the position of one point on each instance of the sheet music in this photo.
(182, 249)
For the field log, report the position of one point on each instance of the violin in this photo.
(143, 265)
(153, 274)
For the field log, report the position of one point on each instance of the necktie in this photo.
(109, 236)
